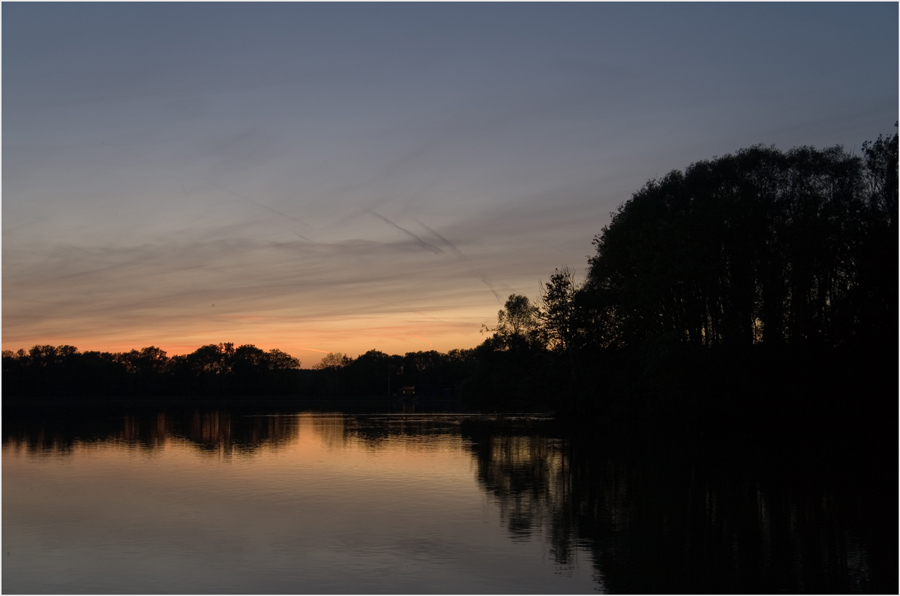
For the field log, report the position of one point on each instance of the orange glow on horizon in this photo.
(350, 336)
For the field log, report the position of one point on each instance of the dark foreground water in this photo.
(202, 501)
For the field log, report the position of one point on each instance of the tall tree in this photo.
(557, 310)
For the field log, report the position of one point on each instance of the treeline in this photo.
(424, 374)
(212, 370)
(223, 370)
(758, 288)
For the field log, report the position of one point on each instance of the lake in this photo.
(194, 500)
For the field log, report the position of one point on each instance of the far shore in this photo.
(317, 403)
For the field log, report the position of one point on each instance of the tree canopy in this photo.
(758, 246)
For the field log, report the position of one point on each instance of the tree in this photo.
(333, 360)
(558, 311)
(519, 321)
(882, 178)
(148, 360)
(282, 360)
(876, 296)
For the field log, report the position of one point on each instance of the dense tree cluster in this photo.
(760, 246)
(763, 271)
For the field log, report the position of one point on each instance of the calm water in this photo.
(236, 502)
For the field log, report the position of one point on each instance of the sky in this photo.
(340, 177)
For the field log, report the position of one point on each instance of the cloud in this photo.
(172, 284)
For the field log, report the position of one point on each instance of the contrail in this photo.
(424, 244)
(315, 350)
(491, 288)
(464, 258)
(452, 246)
(423, 339)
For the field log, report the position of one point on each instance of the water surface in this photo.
(194, 501)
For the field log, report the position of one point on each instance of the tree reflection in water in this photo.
(649, 520)
(668, 519)
(211, 431)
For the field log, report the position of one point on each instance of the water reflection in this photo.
(526, 474)
(218, 431)
(647, 521)
(682, 521)
(210, 431)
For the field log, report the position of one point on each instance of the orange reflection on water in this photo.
(268, 445)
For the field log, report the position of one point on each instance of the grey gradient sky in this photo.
(343, 177)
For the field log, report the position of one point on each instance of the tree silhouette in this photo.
(518, 321)
(558, 313)
(759, 246)
(333, 362)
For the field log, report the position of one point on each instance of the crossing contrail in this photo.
(452, 246)
(424, 244)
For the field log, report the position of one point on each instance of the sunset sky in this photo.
(346, 177)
